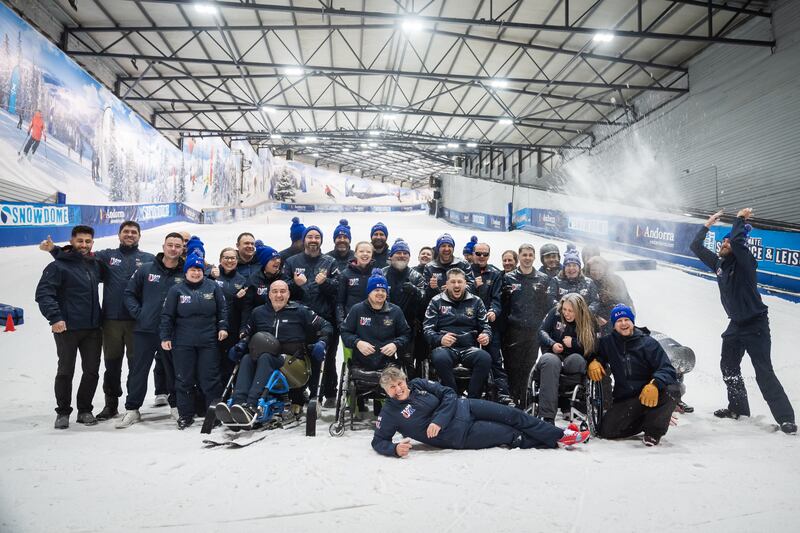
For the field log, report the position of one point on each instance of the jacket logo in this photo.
(262, 290)
(378, 423)
(388, 322)
(114, 261)
(299, 271)
(407, 411)
(208, 295)
(238, 286)
(352, 282)
(445, 309)
(154, 278)
(186, 299)
(470, 312)
(220, 282)
(365, 320)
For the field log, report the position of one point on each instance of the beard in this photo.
(399, 265)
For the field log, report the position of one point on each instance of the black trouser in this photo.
(496, 425)
(117, 341)
(161, 375)
(627, 418)
(31, 145)
(196, 367)
(498, 372)
(146, 348)
(90, 343)
(226, 366)
(754, 338)
(521, 348)
(329, 378)
(479, 361)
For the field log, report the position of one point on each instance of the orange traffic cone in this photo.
(10, 324)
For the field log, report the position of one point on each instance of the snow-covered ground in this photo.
(708, 474)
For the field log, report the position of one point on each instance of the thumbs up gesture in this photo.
(47, 245)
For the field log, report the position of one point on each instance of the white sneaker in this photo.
(130, 418)
(173, 412)
(160, 401)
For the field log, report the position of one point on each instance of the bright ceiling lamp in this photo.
(205, 8)
(268, 109)
(345, 149)
(472, 145)
(505, 122)
(498, 84)
(293, 71)
(315, 154)
(308, 140)
(603, 37)
(276, 136)
(374, 133)
(452, 146)
(389, 117)
(412, 24)
(372, 145)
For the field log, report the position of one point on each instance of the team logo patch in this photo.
(388, 321)
(138, 262)
(407, 411)
(186, 299)
(299, 271)
(154, 278)
(470, 312)
(365, 320)
(238, 286)
(208, 295)
(516, 286)
(378, 423)
(220, 283)
(353, 282)
(445, 309)
(114, 261)
(262, 290)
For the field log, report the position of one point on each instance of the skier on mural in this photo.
(35, 134)
(329, 193)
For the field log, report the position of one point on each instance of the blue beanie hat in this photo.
(259, 243)
(571, 255)
(620, 311)
(377, 281)
(194, 260)
(265, 254)
(342, 229)
(445, 238)
(399, 246)
(747, 229)
(195, 245)
(380, 226)
(297, 231)
(312, 228)
(470, 246)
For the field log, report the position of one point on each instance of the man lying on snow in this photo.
(431, 413)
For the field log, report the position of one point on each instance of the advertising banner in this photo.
(482, 221)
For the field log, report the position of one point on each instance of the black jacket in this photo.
(581, 285)
(352, 288)
(379, 328)
(342, 260)
(231, 283)
(553, 330)
(290, 251)
(526, 298)
(611, 290)
(634, 361)
(381, 259)
(147, 290)
(434, 268)
(295, 323)
(67, 290)
(406, 291)
(465, 318)
(247, 268)
(491, 290)
(193, 313)
(257, 292)
(550, 273)
(319, 298)
(736, 274)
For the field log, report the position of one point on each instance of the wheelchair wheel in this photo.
(594, 405)
(337, 428)
(529, 398)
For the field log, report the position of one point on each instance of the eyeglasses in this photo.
(482, 254)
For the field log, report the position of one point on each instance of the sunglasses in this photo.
(482, 254)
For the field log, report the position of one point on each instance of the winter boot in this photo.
(223, 413)
(329, 403)
(173, 412)
(110, 409)
(62, 422)
(574, 437)
(726, 413)
(86, 418)
(131, 417)
(160, 401)
(243, 414)
(551, 421)
(184, 422)
(684, 408)
(651, 441)
(790, 428)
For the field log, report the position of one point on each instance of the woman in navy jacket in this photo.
(193, 320)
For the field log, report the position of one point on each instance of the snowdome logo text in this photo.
(32, 215)
(153, 212)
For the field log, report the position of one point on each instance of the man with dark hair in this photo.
(296, 232)
(117, 266)
(144, 298)
(246, 250)
(342, 252)
(259, 282)
(406, 290)
(424, 256)
(68, 299)
(313, 280)
(748, 329)
(436, 271)
(378, 235)
(457, 331)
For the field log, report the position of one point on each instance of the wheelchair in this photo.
(582, 399)
(355, 386)
(462, 376)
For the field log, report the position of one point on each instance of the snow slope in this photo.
(708, 474)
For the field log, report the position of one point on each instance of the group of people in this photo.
(196, 319)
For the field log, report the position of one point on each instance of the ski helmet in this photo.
(296, 371)
(548, 249)
(263, 342)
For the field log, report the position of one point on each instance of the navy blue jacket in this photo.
(231, 283)
(427, 403)
(379, 328)
(257, 292)
(320, 298)
(581, 285)
(352, 288)
(290, 251)
(67, 290)
(147, 290)
(295, 323)
(736, 274)
(381, 259)
(526, 298)
(247, 268)
(342, 260)
(551, 273)
(434, 268)
(635, 360)
(465, 318)
(409, 301)
(193, 313)
(553, 330)
(491, 289)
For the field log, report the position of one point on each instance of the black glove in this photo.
(409, 288)
(237, 351)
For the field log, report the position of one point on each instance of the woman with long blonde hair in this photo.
(568, 336)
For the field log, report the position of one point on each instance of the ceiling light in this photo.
(389, 117)
(293, 71)
(603, 37)
(412, 24)
(498, 84)
(345, 149)
(309, 139)
(505, 122)
(441, 147)
(374, 133)
(205, 8)
(268, 109)
(389, 151)
(452, 145)
(472, 145)
(414, 142)
(372, 145)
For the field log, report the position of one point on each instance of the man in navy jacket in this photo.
(748, 329)
(68, 299)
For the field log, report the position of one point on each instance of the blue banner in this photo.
(482, 221)
(340, 208)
